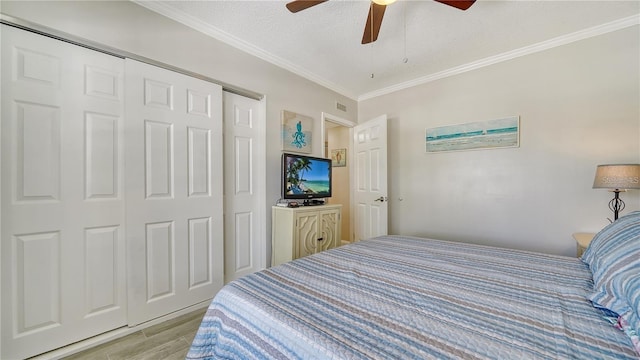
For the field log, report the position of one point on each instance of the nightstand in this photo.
(582, 241)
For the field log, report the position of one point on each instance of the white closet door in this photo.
(174, 190)
(62, 245)
(245, 244)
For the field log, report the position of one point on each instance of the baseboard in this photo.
(113, 334)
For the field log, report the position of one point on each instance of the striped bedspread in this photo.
(399, 297)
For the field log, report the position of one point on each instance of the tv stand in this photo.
(313, 202)
(302, 231)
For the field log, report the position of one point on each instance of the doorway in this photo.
(337, 140)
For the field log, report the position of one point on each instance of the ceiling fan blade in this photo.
(299, 5)
(459, 4)
(374, 21)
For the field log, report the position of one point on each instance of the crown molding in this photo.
(509, 55)
(231, 40)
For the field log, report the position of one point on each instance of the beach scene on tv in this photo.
(307, 176)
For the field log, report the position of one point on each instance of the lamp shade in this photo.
(617, 176)
(384, 2)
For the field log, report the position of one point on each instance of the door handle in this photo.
(381, 199)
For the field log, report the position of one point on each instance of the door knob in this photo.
(381, 199)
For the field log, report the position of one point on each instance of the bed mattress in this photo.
(396, 297)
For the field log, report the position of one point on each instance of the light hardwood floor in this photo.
(168, 340)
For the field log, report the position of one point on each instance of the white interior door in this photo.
(173, 142)
(62, 245)
(245, 243)
(370, 156)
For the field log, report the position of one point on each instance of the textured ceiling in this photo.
(322, 43)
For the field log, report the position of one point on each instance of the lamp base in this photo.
(616, 204)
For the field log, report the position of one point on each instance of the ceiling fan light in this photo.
(384, 2)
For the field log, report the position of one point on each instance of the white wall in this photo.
(129, 27)
(578, 104)
(579, 107)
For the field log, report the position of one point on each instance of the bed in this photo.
(399, 297)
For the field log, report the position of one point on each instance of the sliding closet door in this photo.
(62, 245)
(244, 240)
(174, 190)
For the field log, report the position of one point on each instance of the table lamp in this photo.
(618, 177)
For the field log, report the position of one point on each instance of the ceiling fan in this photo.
(376, 12)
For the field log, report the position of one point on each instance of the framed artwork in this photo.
(491, 134)
(297, 132)
(339, 157)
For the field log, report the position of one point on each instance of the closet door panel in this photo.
(101, 156)
(174, 191)
(245, 245)
(37, 287)
(199, 161)
(158, 161)
(101, 269)
(37, 151)
(62, 246)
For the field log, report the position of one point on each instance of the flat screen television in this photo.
(305, 177)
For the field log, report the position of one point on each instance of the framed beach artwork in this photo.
(490, 134)
(339, 157)
(297, 132)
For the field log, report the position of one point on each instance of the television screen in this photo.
(305, 177)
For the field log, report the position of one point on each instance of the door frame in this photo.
(349, 124)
